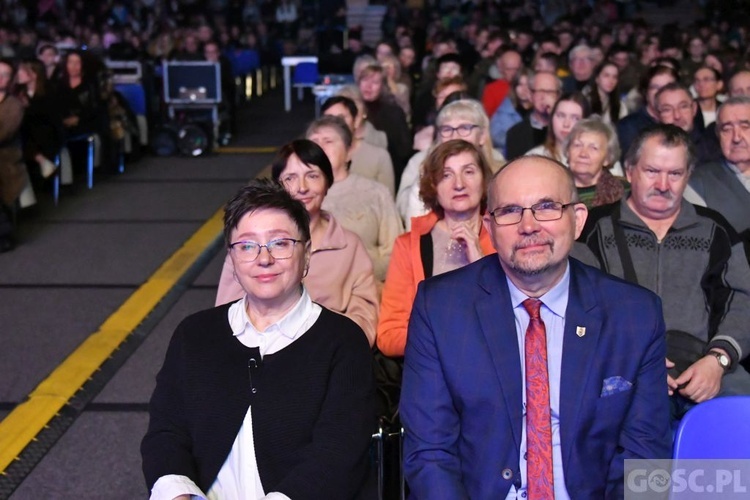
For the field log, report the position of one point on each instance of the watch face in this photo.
(723, 360)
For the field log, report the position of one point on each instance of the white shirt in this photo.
(239, 476)
(743, 178)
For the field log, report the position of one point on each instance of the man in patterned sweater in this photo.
(689, 255)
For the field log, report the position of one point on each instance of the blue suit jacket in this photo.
(462, 390)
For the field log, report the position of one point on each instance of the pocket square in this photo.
(614, 385)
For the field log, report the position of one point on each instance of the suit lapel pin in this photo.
(580, 331)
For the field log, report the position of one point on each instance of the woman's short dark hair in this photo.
(433, 166)
(349, 104)
(262, 194)
(309, 153)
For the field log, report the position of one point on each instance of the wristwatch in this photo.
(723, 359)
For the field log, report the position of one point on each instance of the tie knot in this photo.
(532, 307)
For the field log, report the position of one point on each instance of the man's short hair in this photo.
(450, 57)
(348, 103)
(670, 136)
(738, 100)
(672, 87)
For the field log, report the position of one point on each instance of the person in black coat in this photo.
(269, 394)
(386, 115)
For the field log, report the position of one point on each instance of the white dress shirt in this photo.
(239, 476)
(554, 304)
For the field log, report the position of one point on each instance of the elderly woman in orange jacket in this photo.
(450, 236)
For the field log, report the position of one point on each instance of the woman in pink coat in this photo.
(340, 275)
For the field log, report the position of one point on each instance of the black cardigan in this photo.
(313, 407)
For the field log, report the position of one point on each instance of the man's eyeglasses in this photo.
(248, 251)
(544, 211)
(446, 131)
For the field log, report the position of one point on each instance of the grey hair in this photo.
(577, 50)
(670, 136)
(595, 124)
(532, 80)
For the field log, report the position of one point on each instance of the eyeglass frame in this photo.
(270, 252)
(533, 208)
(456, 130)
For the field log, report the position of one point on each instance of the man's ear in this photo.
(581, 213)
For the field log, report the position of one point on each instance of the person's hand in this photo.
(671, 384)
(70, 121)
(702, 380)
(469, 239)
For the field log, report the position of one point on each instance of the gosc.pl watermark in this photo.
(686, 479)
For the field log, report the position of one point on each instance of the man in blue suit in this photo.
(464, 398)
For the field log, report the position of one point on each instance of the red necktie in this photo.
(538, 421)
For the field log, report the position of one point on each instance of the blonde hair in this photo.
(471, 111)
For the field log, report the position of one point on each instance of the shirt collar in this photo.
(290, 325)
(556, 299)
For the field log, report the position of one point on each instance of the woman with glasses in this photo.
(464, 119)
(363, 206)
(565, 114)
(271, 396)
(454, 187)
(340, 276)
(592, 150)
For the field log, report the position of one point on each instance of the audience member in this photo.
(508, 434)
(708, 85)
(494, 93)
(725, 184)
(675, 106)
(424, 138)
(629, 127)
(565, 114)
(340, 274)
(42, 129)
(532, 130)
(463, 119)
(308, 381)
(453, 185)
(592, 151)
(367, 160)
(361, 205)
(12, 169)
(512, 110)
(386, 115)
(366, 131)
(604, 93)
(582, 65)
(691, 256)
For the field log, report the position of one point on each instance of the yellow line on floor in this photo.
(22, 425)
(245, 150)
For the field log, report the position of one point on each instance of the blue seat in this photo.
(305, 75)
(134, 95)
(715, 429)
(244, 61)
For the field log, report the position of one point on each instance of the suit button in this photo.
(507, 473)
